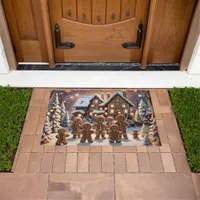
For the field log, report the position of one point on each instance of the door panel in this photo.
(98, 12)
(128, 8)
(113, 11)
(26, 28)
(98, 28)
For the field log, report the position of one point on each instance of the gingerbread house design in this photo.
(87, 105)
(115, 104)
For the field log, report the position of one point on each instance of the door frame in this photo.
(185, 59)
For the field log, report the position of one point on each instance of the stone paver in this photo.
(107, 162)
(155, 162)
(34, 163)
(144, 163)
(49, 149)
(37, 98)
(153, 149)
(31, 120)
(163, 135)
(72, 149)
(41, 120)
(71, 162)
(160, 186)
(171, 126)
(47, 163)
(141, 149)
(95, 149)
(23, 187)
(132, 162)
(84, 149)
(107, 149)
(36, 144)
(59, 162)
(181, 163)
(120, 162)
(83, 162)
(22, 163)
(86, 172)
(168, 162)
(95, 162)
(81, 186)
(125, 149)
(196, 181)
(26, 143)
(163, 97)
(176, 143)
(59, 149)
(165, 148)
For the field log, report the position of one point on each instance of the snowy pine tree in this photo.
(51, 101)
(154, 133)
(47, 126)
(56, 115)
(137, 117)
(64, 122)
(147, 141)
(144, 130)
(46, 137)
(63, 111)
(142, 108)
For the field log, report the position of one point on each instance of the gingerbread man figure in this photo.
(100, 127)
(122, 124)
(87, 132)
(135, 135)
(114, 134)
(109, 123)
(61, 137)
(76, 127)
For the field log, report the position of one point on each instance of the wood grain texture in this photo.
(113, 11)
(6, 39)
(98, 12)
(149, 34)
(24, 18)
(55, 11)
(128, 8)
(191, 39)
(69, 9)
(47, 32)
(99, 43)
(31, 50)
(170, 27)
(25, 23)
(84, 8)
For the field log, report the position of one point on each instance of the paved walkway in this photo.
(100, 173)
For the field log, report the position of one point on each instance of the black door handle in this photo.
(137, 44)
(59, 44)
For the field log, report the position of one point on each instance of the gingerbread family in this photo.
(115, 130)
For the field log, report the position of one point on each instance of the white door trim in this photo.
(100, 79)
(4, 67)
(194, 66)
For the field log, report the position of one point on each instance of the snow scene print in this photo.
(100, 117)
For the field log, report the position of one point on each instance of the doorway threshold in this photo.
(99, 67)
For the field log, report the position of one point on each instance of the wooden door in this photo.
(26, 28)
(98, 28)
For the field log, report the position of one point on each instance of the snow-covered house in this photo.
(87, 106)
(117, 104)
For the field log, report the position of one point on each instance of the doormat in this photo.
(100, 117)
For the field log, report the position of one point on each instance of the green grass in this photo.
(186, 105)
(13, 108)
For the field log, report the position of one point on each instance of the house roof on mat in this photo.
(98, 111)
(112, 96)
(86, 100)
(78, 111)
